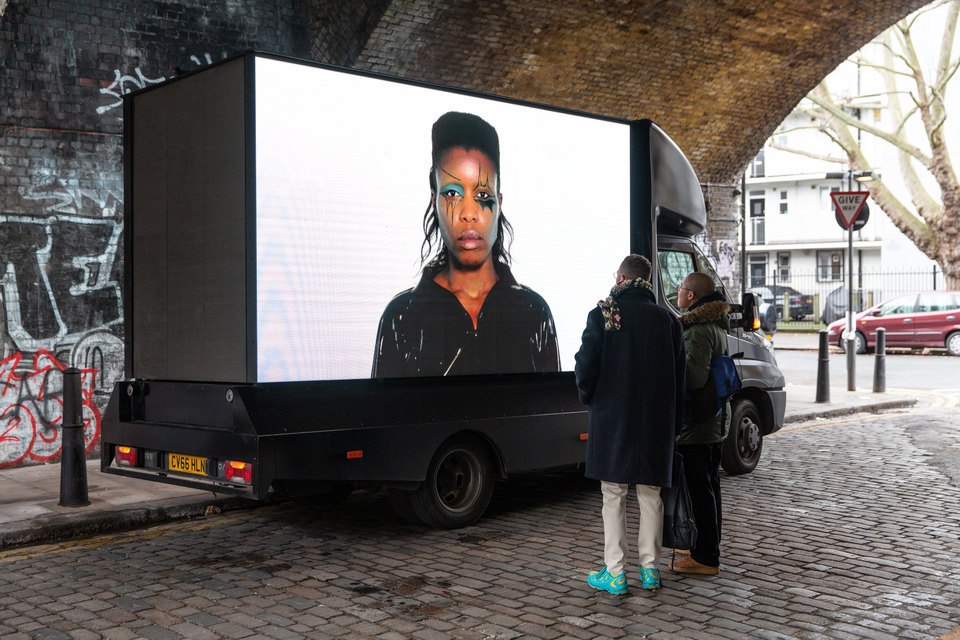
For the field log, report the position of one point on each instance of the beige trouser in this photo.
(650, 536)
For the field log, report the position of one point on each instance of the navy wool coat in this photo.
(632, 381)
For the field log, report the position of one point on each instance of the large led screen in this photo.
(410, 231)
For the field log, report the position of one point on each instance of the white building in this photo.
(793, 238)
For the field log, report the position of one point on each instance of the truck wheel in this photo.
(742, 448)
(458, 487)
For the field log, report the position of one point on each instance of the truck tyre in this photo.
(742, 448)
(458, 487)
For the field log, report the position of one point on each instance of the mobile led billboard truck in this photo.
(335, 278)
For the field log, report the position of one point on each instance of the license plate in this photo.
(188, 464)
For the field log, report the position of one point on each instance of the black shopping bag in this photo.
(679, 528)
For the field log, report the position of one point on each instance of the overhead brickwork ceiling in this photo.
(717, 75)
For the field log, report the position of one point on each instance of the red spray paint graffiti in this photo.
(31, 409)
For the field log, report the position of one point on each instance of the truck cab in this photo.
(678, 211)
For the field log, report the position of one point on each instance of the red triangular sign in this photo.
(848, 204)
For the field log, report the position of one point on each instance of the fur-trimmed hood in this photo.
(715, 311)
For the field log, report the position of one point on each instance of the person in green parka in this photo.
(705, 324)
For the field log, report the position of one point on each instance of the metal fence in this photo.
(813, 299)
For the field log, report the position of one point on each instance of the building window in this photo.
(783, 267)
(829, 266)
(826, 202)
(758, 269)
(783, 207)
(756, 167)
(757, 213)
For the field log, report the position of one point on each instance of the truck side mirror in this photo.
(750, 312)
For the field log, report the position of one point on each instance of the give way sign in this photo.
(849, 204)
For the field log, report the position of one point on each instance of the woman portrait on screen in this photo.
(467, 314)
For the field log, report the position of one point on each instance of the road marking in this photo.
(946, 398)
(127, 537)
(829, 422)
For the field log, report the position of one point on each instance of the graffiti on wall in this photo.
(31, 409)
(60, 294)
(723, 255)
(124, 83)
(61, 304)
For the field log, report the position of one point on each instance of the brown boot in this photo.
(686, 564)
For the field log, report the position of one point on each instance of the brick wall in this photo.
(718, 77)
(720, 239)
(64, 67)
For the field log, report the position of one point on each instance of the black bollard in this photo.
(823, 368)
(879, 362)
(73, 458)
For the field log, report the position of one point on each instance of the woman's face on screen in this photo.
(468, 205)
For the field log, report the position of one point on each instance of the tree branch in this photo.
(808, 154)
(849, 120)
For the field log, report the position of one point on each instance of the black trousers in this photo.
(701, 464)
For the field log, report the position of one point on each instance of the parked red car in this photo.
(923, 319)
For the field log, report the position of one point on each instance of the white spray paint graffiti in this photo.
(30, 383)
(125, 84)
(58, 309)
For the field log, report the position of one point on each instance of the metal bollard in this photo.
(73, 459)
(823, 368)
(851, 364)
(879, 362)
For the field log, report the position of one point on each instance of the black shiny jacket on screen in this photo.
(425, 331)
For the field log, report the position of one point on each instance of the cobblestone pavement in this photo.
(847, 529)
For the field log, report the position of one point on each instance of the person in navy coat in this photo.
(630, 374)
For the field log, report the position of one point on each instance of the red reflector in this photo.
(354, 455)
(241, 472)
(126, 457)
(583, 436)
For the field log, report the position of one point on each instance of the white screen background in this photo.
(342, 164)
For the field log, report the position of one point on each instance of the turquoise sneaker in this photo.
(604, 581)
(651, 578)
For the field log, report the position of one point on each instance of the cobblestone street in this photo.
(847, 529)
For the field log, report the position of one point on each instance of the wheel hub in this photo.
(751, 436)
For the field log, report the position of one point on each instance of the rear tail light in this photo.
(126, 457)
(239, 472)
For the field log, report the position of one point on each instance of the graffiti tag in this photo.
(31, 409)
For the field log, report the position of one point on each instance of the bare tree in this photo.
(933, 224)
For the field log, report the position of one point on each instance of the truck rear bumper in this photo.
(158, 476)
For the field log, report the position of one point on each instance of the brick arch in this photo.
(718, 75)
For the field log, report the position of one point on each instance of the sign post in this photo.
(848, 205)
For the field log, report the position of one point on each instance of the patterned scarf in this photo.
(609, 307)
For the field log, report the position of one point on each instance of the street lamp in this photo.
(850, 336)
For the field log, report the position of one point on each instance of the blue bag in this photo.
(726, 380)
